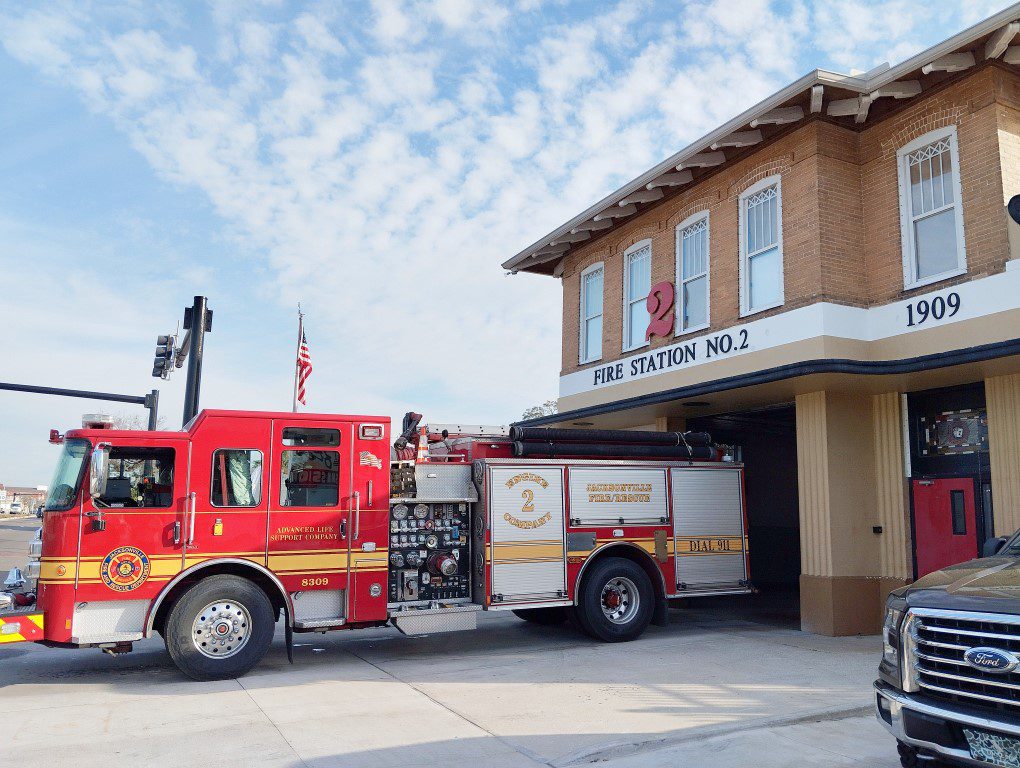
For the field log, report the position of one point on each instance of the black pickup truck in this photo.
(948, 686)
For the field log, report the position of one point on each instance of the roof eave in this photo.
(817, 77)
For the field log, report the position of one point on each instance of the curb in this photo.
(618, 749)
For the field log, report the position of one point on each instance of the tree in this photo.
(136, 421)
(548, 408)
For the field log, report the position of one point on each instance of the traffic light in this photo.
(164, 360)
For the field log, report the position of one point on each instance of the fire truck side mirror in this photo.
(99, 466)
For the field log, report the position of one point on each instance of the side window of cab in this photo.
(310, 473)
(236, 478)
(139, 477)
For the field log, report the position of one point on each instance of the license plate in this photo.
(998, 750)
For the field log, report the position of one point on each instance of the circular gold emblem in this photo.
(124, 569)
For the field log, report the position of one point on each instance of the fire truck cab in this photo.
(211, 535)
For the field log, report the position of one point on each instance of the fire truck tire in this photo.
(547, 617)
(616, 601)
(219, 628)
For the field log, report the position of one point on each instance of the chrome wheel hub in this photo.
(221, 629)
(620, 600)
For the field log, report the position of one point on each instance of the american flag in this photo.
(304, 367)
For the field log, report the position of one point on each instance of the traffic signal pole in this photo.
(169, 356)
(197, 321)
(150, 401)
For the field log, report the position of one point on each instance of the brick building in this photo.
(831, 282)
(17, 500)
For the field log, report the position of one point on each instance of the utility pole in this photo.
(197, 321)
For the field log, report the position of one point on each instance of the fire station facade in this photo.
(831, 282)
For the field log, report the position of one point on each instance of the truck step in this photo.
(428, 621)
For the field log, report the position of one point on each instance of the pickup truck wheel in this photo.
(615, 602)
(547, 617)
(219, 628)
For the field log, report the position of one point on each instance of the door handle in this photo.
(192, 497)
(357, 515)
(177, 531)
(343, 529)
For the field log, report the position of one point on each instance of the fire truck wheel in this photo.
(219, 628)
(615, 601)
(547, 617)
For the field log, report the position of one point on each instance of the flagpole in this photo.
(297, 354)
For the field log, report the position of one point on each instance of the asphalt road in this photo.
(710, 689)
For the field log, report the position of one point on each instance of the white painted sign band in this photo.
(966, 301)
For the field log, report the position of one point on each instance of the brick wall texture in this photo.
(840, 210)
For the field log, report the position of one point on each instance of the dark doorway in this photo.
(767, 439)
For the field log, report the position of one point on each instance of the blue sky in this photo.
(375, 161)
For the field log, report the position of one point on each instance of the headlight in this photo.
(891, 636)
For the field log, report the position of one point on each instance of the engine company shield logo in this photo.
(527, 501)
(992, 660)
(125, 569)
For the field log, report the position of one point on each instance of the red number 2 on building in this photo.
(660, 309)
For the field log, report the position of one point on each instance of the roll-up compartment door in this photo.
(527, 532)
(708, 528)
(608, 496)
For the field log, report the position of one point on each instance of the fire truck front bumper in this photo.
(19, 626)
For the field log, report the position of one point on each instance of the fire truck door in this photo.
(528, 557)
(230, 483)
(131, 540)
(370, 527)
(709, 529)
(310, 505)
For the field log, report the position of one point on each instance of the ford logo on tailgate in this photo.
(992, 660)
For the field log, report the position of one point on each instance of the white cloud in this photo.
(378, 168)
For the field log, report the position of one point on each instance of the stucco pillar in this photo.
(1002, 400)
(840, 553)
(891, 494)
(670, 423)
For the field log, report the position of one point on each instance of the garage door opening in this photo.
(768, 447)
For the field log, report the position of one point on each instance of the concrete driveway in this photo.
(708, 690)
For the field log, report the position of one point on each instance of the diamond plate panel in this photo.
(318, 604)
(434, 622)
(110, 621)
(444, 482)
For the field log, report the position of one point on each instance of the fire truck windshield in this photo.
(68, 474)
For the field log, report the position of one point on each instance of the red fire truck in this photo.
(212, 535)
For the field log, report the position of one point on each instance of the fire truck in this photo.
(213, 535)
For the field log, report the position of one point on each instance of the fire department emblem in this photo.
(124, 569)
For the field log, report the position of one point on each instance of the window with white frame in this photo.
(692, 273)
(930, 211)
(761, 246)
(591, 314)
(637, 281)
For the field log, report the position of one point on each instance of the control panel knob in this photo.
(396, 559)
(413, 559)
(442, 564)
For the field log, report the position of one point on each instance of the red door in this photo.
(944, 523)
(310, 506)
(370, 526)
